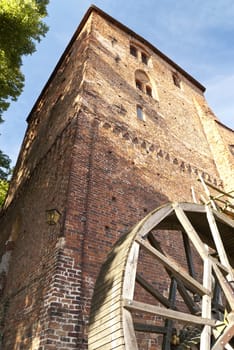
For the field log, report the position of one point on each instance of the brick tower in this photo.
(118, 130)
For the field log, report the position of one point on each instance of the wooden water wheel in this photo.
(168, 284)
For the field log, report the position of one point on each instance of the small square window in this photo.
(133, 51)
(144, 58)
(140, 114)
(139, 85)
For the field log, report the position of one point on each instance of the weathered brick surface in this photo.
(86, 154)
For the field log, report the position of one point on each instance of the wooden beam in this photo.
(153, 220)
(227, 289)
(218, 242)
(155, 293)
(205, 342)
(130, 271)
(128, 292)
(166, 313)
(228, 194)
(189, 302)
(181, 288)
(149, 328)
(224, 338)
(169, 323)
(176, 269)
(192, 234)
(188, 254)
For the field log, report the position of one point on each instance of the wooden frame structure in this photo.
(187, 304)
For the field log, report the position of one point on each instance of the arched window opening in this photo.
(143, 82)
(139, 53)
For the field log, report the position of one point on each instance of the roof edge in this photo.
(123, 27)
(151, 46)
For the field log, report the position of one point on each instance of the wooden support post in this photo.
(169, 323)
(190, 231)
(224, 338)
(228, 292)
(128, 292)
(219, 243)
(205, 342)
(188, 254)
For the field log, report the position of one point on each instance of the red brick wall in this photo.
(86, 154)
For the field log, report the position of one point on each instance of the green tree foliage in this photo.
(3, 191)
(21, 26)
(5, 171)
(5, 168)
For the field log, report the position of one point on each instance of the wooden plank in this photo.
(130, 271)
(128, 292)
(104, 298)
(96, 328)
(224, 218)
(153, 219)
(155, 293)
(188, 254)
(189, 302)
(227, 289)
(104, 288)
(100, 318)
(205, 342)
(110, 277)
(107, 347)
(111, 330)
(221, 266)
(111, 309)
(207, 192)
(192, 234)
(167, 313)
(108, 305)
(218, 242)
(129, 332)
(224, 338)
(149, 328)
(181, 288)
(176, 269)
(118, 265)
(191, 207)
(228, 194)
(112, 340)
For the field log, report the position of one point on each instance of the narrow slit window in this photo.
(231, 147)
(133, 51)
(144, 58)
(176, 80)
(140, 114)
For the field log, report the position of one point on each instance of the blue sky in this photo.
(198, 35)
